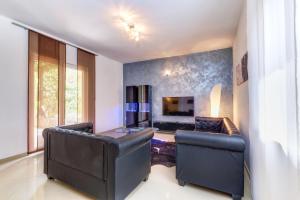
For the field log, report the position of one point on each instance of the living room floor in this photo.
(24, 179)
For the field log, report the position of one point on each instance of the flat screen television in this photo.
(178, 106)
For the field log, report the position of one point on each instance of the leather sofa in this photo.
(101, 166)
(211, 156)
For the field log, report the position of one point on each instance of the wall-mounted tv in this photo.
(178, 106)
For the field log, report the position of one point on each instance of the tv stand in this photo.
(173, 126)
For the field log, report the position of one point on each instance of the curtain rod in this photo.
(26, 27)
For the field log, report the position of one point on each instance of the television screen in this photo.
(178, 106)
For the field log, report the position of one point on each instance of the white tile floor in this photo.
(24, 179)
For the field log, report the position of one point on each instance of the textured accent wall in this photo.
(188, 75)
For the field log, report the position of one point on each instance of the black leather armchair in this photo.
(212, 156)
(105, 167)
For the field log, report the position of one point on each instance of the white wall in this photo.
(109, 94)
(241, 92)
(13, 89)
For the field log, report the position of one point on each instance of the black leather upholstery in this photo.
(207, 139)
(101, 166)
(83, 127)
(208, 124)
(216, 125)
(173, 126)
(212, 156)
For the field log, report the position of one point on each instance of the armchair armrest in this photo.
(132, 142)
(211, 140)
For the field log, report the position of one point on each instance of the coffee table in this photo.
(121, 132)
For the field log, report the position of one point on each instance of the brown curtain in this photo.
(33, 58)
(46, 87)
(86, 86)
(62, 83)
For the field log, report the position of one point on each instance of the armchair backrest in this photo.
(228, 127)
(208, 124)
(78, 150)
(215, 125)
(84, 127)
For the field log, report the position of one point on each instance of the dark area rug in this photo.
(163, 153)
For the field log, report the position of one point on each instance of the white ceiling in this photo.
(169, 27)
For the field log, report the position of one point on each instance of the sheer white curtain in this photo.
(274, 131)
(297, 27)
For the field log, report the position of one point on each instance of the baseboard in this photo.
(6, 160)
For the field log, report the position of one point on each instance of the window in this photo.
(60, 91)
(71, 95)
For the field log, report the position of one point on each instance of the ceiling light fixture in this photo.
(131, 29)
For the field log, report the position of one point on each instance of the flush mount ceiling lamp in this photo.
(131, 29)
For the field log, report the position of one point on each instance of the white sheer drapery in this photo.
(274, 131)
